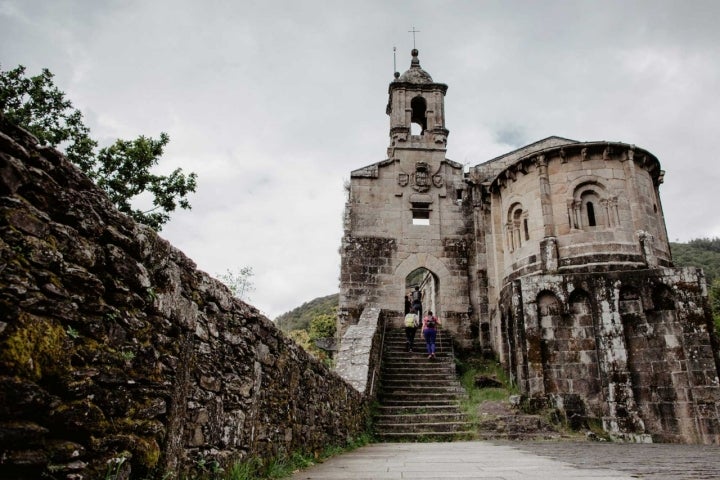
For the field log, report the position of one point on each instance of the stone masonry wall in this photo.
(637, 348)
(115, 348)
(365, 260)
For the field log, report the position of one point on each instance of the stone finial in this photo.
(415, 62)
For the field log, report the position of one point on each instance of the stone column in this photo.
(628, 162)
(545, 199)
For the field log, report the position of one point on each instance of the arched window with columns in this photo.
(592, 207)
(516, 228)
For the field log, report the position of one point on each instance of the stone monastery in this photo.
(554, 257)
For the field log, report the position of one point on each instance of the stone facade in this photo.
(404, 214)
(555, 257)
(114, 346)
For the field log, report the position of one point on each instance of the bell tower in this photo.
(416, 110)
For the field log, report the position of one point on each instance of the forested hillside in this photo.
(705, 253)
(299, 318)
(700, 252)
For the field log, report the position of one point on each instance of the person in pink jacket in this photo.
(430, 327)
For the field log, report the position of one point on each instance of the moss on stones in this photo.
(35, 348)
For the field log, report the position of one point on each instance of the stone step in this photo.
(451, 417)
(419, 382)
(422, 403)
(396, 380)
(427, 427)
(438, 361)
(406, 410)
(455, 392)
(416, 356)
(400, 342)
(425, 436)
(421, 391)
(419, 367)
(418, 346)
(413, 374)
(430, 366)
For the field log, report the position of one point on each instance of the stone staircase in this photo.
(419, 397)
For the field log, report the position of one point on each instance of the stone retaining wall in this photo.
(360, 354)
(116, 353)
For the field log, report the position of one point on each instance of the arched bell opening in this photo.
(418, 117)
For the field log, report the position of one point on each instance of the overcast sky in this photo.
(273, 103)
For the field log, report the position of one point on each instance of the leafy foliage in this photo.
(299, 318)
(37, 105)
(714, 296)
(322, 326)
(705, 253)
(122, 170)
(302, 338)
(310, 322)
(712, 244)
(239, 282)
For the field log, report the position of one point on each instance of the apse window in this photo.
(421, 213)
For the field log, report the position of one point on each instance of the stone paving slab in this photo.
(451, 460)
(648, 461)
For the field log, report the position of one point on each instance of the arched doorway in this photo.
(423, 285)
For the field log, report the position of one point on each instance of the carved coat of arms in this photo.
(421, 177)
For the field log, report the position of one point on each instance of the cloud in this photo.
(274, 103)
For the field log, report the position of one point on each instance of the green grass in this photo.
(284, 466)
(471, 367)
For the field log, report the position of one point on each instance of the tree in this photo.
(712, 244)
(239, 282)
(714, 297)
(300, 317)
(302, 338)
(322, 326)
(122, 170)
(698, 253)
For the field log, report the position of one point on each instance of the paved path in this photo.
(520, 461)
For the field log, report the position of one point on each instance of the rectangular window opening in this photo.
(421, 213)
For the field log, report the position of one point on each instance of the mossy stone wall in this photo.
(118, 355)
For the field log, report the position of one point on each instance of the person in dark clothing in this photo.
(417, 300)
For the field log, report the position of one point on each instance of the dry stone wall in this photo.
(118, 355)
